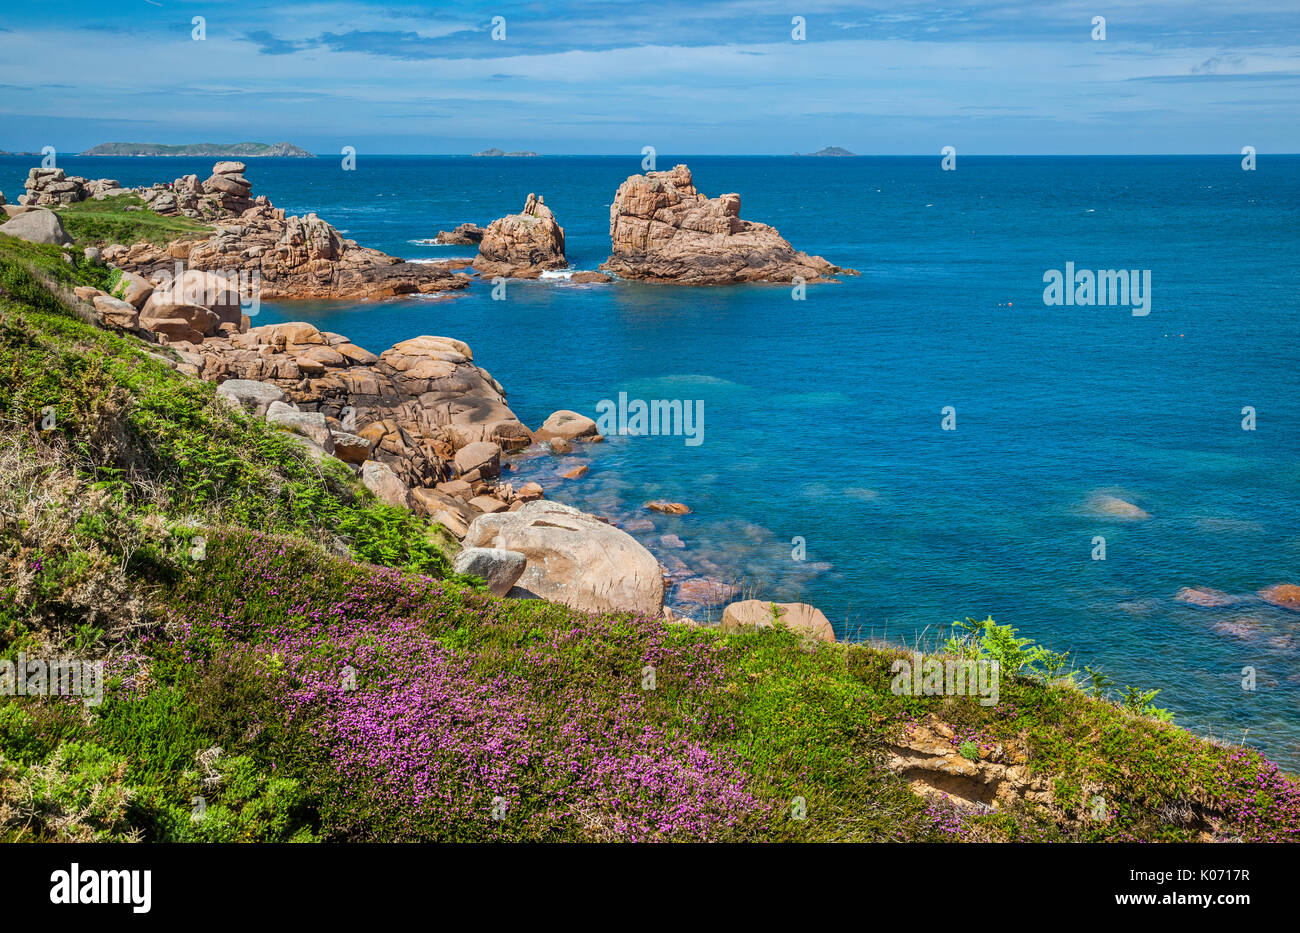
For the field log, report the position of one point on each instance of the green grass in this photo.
(98, 223)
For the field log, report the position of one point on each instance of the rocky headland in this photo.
(293, 257)
(663, 230)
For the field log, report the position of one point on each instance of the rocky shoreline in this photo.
(421, 425)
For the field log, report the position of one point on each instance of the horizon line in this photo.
(704, 155)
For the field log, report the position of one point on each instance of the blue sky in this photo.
(685, 76)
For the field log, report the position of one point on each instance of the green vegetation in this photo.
(124, 219)
(289, 660)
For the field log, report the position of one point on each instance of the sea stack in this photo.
(522, 245)
(663, 230)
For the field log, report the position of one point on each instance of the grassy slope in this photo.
(356, 693)
(98, 223)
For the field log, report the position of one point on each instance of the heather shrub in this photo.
(77, 794)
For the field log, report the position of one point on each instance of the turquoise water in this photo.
(822, 417)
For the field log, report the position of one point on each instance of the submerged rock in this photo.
(705, 591)
(1204, 597)
(1113, 507)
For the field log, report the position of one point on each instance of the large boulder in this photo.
(565, 425)
(310, 424)
(383, 482)
(500, 568)
(37, 227)
(522, 245)
(195, 321)
(758, 613)
(663, 230)
(116, 313)
(250, 395)
(195, 288)
(133, 289)
(480, 460)
(574, 558)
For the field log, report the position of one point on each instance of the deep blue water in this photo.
(822, 417)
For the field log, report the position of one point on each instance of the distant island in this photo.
(829, 151)
(492, 153)
(202, 150)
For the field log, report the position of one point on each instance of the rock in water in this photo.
(522, 245)
(37, 227)
(565, 425)
(1116, 508)
(1282, 595)
(463, 235)
(663, 230)
(500, 568)
(575, 558)
(1205, 597)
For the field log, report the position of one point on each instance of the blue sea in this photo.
(822, 417)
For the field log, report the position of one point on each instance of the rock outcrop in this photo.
(574, 558)
(417, 404)
(929, 758)
(663, 230)
(522, 245)
(51, 187)
(276, 256)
